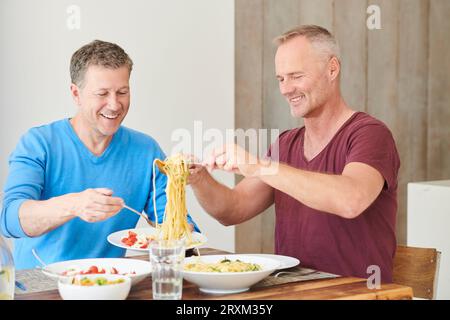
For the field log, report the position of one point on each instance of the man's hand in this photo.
(231, 206)
(92, 205)
(233, 158)
(196, 174)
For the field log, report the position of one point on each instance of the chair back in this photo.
(417, 268)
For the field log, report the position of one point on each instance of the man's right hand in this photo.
(92, 205)
(197, 173)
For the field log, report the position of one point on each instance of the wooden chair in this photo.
(417, 268)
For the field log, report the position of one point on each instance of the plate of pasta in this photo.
(138, 239)
(225, 274)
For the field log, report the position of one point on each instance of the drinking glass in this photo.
(167, 257)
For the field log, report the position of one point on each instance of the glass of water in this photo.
(167, 257)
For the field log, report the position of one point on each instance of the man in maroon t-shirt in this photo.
(334, 181)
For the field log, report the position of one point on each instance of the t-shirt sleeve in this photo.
(25, 181)
(374, 145)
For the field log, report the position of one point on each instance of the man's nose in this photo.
(113, 102)
(286, 88)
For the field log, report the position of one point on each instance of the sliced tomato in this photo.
(128, 242)
(132, 234)
(93, 269)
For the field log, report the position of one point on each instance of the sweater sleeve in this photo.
(25, 181)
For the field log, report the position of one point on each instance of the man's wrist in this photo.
(267, 167)
(200, 179)
(63, 205)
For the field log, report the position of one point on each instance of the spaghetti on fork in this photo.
(175, 225)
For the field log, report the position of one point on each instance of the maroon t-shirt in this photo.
(325, 241)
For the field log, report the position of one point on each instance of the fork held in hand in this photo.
(140, 214)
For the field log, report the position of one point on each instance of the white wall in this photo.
(428, 225)
(183, 53)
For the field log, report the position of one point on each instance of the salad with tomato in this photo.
(135, 240)
(94, 270)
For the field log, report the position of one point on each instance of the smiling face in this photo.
(103, 99)
(303, 76)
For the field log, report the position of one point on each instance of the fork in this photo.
(33, 251)
(140, 214)
(42, 268)
(294, 273)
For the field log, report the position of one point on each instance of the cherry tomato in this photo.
(93, 269)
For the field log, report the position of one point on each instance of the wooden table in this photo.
(349, 288)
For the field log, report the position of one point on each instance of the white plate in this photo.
(140, 267)
(286, 261)
(229, 282)
(116, 237)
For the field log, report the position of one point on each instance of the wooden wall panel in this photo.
(351, 32)
(248, 63)
(279, 17)
(412, 88)
(319, 12)
(248, 94)
(382, 69)
(382, 77)
(438, 164)
(411, 128)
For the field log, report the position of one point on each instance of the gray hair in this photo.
(97, 53)
(319, 37)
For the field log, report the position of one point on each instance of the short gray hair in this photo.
(97, 53)
(319, 37)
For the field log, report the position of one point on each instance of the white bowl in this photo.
(119, 291)
(285, 261)
(229, 282)
(141, 268)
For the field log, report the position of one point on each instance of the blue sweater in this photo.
(51, 161)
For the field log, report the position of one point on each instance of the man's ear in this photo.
(75, 90)
(334, 68)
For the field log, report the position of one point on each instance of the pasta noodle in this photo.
(174, 225)
(224, 265)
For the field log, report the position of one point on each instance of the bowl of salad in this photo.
(94, 287)
(136, 269)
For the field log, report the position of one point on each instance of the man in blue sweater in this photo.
(68, 180)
